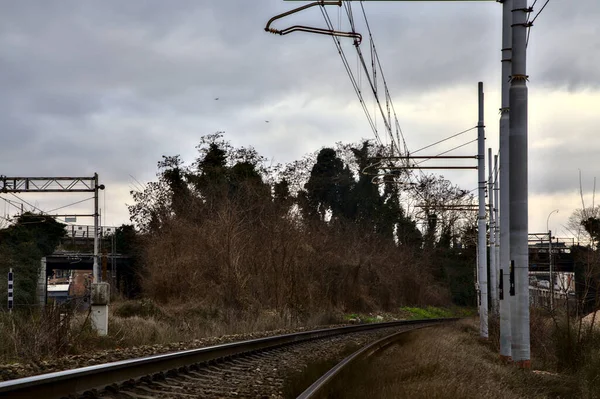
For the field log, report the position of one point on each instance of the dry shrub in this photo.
(34, 334)
(542, 339)
(566, 344)
(251, 255)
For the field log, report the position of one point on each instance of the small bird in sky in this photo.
(267, 121)
(216, 98)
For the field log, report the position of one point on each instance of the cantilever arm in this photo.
(300, 28)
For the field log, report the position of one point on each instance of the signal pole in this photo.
(517, 154)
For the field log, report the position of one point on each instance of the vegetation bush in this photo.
(229, 233)
(22, 246)
(137, 308)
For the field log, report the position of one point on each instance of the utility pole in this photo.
(481, 242)
(518, 184)
(550, 259)
(100, 294)
(492, 239)
(496, 252)
(505, 299)
(550, 264)
(95, 270)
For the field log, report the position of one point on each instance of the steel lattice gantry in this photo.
(48, 184)
(100, 290)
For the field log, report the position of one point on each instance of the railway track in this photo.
(255, 368)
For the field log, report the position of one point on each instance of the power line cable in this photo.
(74, 203)
(357, 90)
(530, 23)
(373, 80)
(441, 141)
(21, 199)
(540, 11)
(9, 202)
(387, 92)
(389, 102)
(445, 152)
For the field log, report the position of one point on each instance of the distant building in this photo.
(59, 293)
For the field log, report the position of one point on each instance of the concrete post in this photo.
(481, 242)
(550, 266)
(96, 271)
(100, 291)
(518, 184)
(100, 299)
(505, 299)
(496, 251)
(492, 238)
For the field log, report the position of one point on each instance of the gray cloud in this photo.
(111, 86)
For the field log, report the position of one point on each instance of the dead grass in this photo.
(34, 335)
(448, 362)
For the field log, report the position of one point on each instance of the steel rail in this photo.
(64, 383)
(320, 388)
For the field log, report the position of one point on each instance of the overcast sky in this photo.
(110, 86)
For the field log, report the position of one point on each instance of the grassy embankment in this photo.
(449, 362)
(33, 336)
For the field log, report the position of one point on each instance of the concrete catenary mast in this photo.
(505, 299)
(496, 250)
(517, 154)
(481, 241)
(492, 239)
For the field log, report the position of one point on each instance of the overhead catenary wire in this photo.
(530, 23)
(399, 132)
(447, 151)
(446, 139)
(9, 202)
(371, 76)
(389, 102)
(372, 79)
(68, 205)
(22, 200)
(540, 11)
(348, 69)
(353, 80)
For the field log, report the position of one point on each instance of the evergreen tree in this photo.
(22, 246)
(367, 204)
(328, 187)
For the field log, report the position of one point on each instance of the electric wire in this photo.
(9, 202)
(22, 200)
(357, 89)
(74, 203)
(441, 141)
(540, 11)
(385, 85)
(389, 102)
(530, 23)
(389, 106)
(445, 152)
(372, 80)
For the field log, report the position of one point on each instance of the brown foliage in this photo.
(252, 254)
